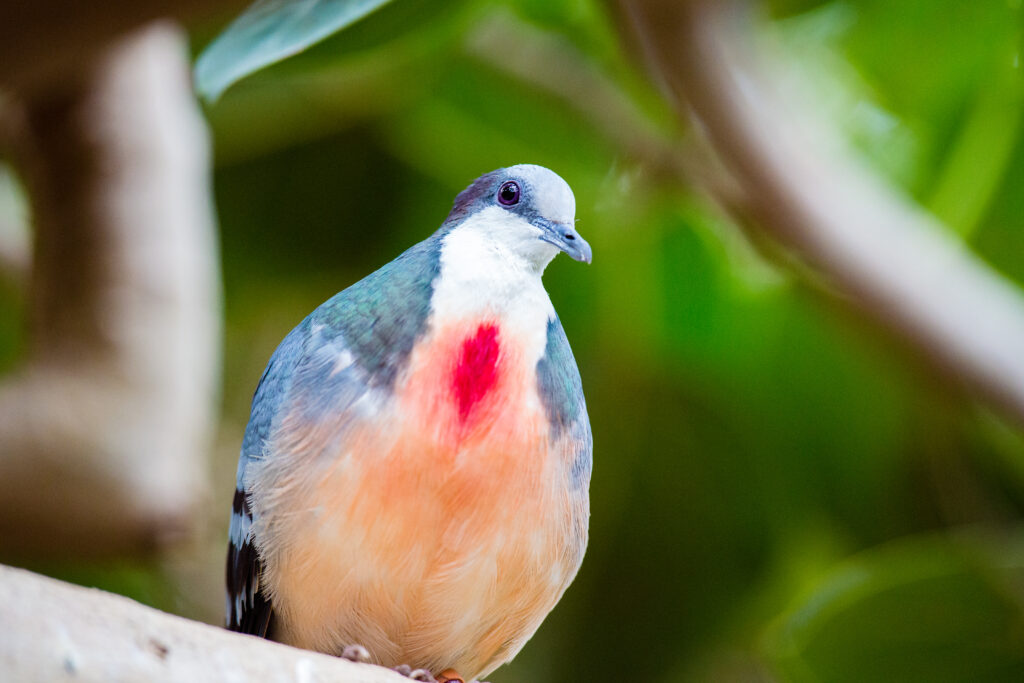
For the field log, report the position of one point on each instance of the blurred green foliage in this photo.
(932, 609)
(781, 491)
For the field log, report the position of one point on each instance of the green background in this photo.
(781, 490)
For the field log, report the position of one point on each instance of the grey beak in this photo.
(566, 238)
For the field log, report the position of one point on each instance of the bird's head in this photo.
(525, 209)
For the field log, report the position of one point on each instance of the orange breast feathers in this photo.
(466, 430)
(471, 384)
(446, 525)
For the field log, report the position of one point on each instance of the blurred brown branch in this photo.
(902, 266)
(554, 66)
(105, 428)
(55, 631)
(52, 41)
(549, 63)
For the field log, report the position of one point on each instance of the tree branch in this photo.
(903, 267)
(54, 631)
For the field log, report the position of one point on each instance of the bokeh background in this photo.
(783, 490)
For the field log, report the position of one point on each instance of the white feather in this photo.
(491, 266)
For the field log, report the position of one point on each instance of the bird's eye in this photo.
(508, 193)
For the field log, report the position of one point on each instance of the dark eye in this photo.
(508, 193)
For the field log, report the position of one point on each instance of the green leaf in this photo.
(269, 31)
(925, 610)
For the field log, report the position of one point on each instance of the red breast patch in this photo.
(477, 368)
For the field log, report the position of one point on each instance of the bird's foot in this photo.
(356, 653)
(415, 674)
(452, 676)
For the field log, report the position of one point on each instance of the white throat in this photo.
(485, 273)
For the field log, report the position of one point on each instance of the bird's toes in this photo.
(415, 674)
(450, 676)
(356, 653)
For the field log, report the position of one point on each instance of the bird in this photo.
(414, 477)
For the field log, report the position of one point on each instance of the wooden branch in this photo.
(899, 263)
(105, 428)
(54, 631)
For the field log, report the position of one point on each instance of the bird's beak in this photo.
(564, 237)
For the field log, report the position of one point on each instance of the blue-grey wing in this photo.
(248, 609)
(310, 374)
(561, 391)
(357, 340)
